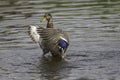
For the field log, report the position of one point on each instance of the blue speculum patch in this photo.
(63, 43)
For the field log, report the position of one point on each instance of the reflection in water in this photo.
(53, 69)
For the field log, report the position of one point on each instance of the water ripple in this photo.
(92, 25)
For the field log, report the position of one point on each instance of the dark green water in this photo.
(94, 30)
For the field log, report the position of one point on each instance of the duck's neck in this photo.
(50, 23)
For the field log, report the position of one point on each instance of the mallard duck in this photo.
(51, 40)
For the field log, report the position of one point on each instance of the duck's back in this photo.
(51, 37)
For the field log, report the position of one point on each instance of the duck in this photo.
(50, 39)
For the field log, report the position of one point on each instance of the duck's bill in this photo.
(43, 19)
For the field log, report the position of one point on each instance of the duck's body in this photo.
(55, 41)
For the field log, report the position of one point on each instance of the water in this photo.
(94, 30)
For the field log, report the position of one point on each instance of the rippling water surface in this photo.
(94, 30)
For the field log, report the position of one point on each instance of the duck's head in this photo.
(47, 17)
